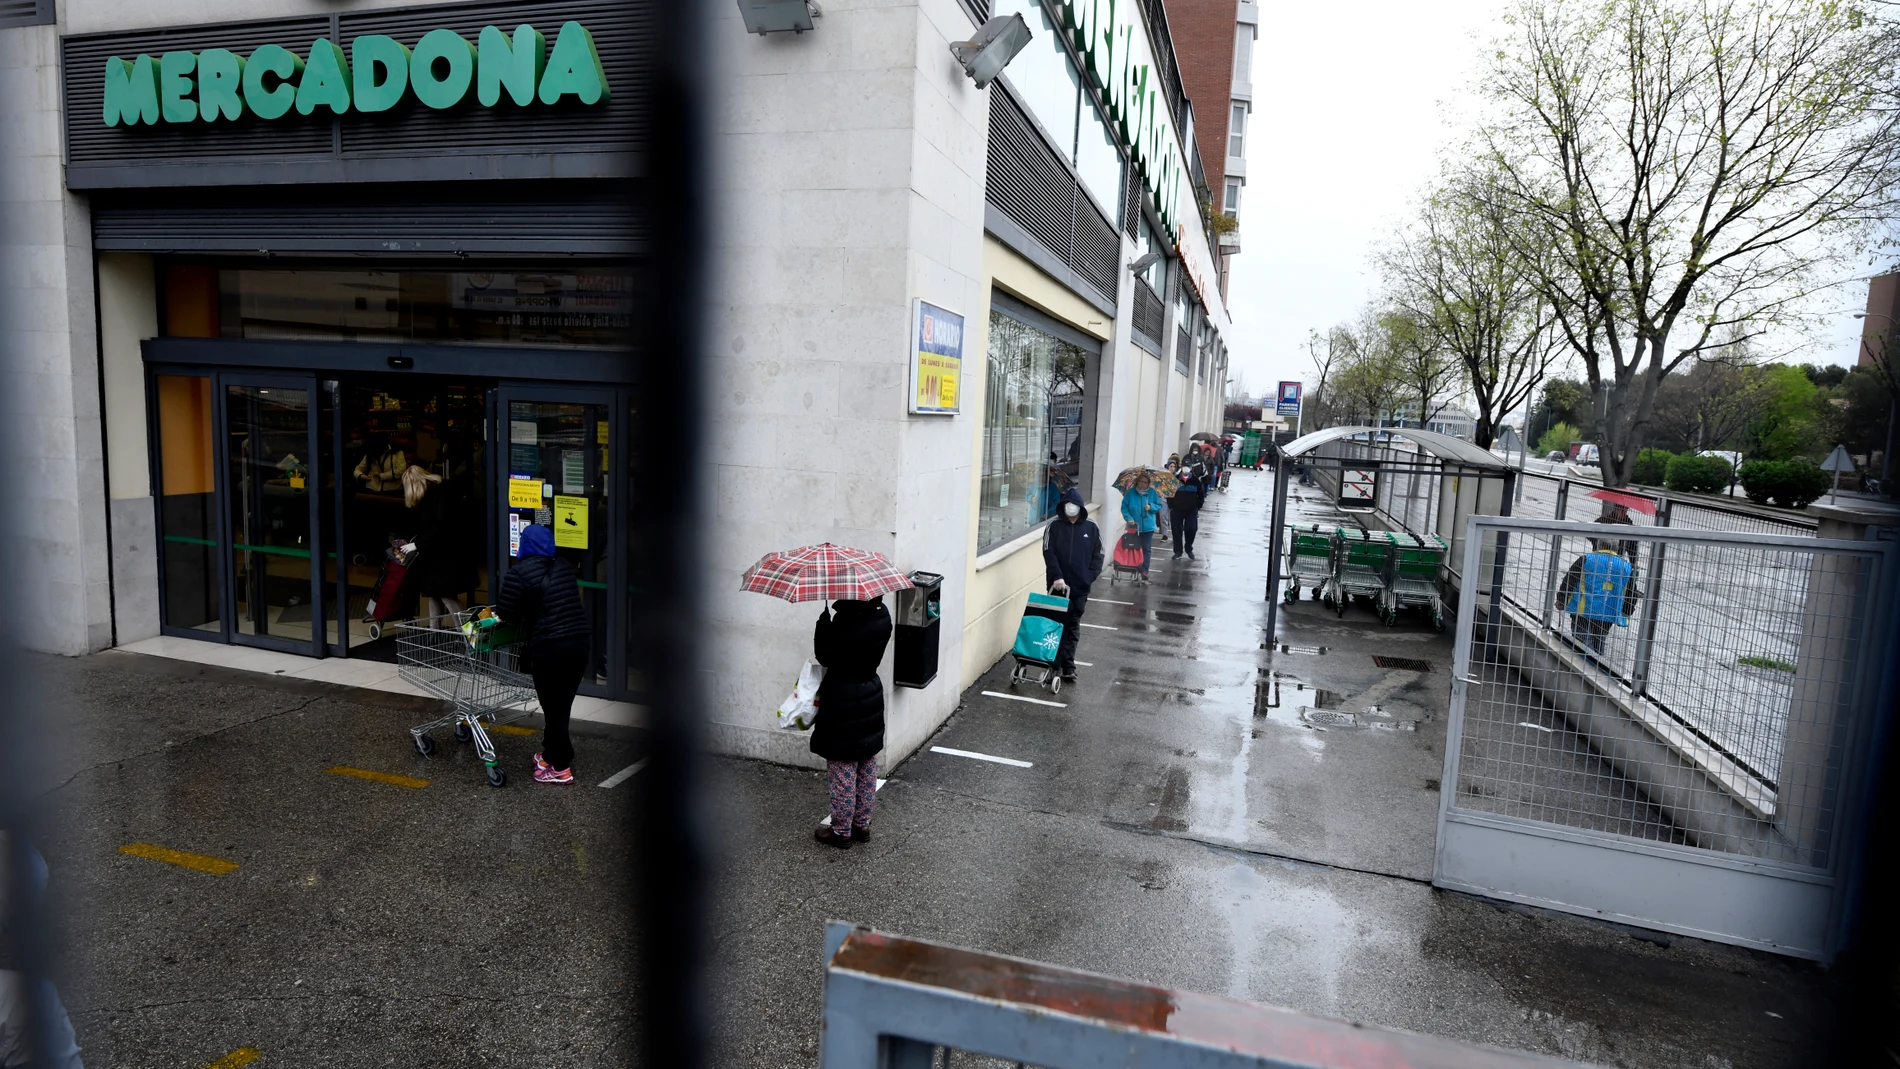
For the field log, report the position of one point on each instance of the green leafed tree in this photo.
(1696, 165)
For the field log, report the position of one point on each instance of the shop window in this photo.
(1035, 405)
(1098, 162)
(187, 478)
(567, 308)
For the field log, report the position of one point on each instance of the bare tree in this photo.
(1424, 367)
(1694, 164)
(1327, 352)
(1460, 271)
(1367, 381)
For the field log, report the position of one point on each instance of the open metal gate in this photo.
(1666, 728)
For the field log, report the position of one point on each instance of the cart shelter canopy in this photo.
(1442, 446)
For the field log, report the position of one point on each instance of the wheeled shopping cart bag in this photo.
(1038, 638)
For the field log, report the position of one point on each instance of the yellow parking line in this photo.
(216, 866)
(511, 729)
(240, 1057)
(379, 777)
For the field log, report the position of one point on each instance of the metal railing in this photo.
(1672, 686)
(897, 1003)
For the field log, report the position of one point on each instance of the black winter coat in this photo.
(850, 644)
(1072, 552)
(543, 594)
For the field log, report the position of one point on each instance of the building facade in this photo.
(1215, 41)
(296, 283)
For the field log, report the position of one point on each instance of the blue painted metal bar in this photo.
(891, 1001)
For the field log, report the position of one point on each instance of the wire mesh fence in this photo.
(1663, 685)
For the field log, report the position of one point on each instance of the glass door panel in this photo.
(187, 504)
(270, 514)
(555, 473)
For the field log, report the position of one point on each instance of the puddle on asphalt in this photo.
(1287, 700)
(1172, 617)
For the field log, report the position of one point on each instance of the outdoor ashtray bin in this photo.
(919, 615)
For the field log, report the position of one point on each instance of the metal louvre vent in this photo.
(1027, 181)
(1148, 312)
(1031, 185)
(1183, 345)
(1131, 203)
(26, 12)
(576, 219)
(89, 139)
(1097, 247)
(622, 33)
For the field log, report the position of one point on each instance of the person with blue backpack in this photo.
(1598, 593)
(1071, 559)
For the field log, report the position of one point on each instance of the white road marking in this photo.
(625, 774)
(1102, 627)
(1012, 762)
(1110, 601)
(1085, 664)
(1020, 698)
(1540, 727)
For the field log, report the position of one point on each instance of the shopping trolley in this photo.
(1411, 577)
(1309, 559)
(471, 661)
(1358, 569)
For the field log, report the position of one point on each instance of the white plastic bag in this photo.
(799, 711)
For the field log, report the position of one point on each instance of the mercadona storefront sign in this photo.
(377, 74)
(1120, 61)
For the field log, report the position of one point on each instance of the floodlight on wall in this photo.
(777, 16)
(1136, 267)
(995, 44)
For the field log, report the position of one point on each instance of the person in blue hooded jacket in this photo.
(1598, 594)
(1071, 560)
(1141, 508)
(541, 593)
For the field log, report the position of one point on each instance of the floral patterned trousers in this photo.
(853, 786)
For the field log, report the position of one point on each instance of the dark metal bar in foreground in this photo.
(673, 859)
(890, 1000)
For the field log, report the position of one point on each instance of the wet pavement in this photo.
(1210, 807)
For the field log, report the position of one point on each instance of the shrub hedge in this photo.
(1696, 474)
(1651, 466)
(1791, 484)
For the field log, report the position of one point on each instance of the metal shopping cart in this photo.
(1358, 569)
(1309, 559)
(1411, 577)
(475, 666)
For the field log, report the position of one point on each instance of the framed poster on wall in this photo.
(936, 361)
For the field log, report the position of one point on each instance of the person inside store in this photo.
(444, 567)
(1184, 508)
(1071, 561)
(849, 640)
(541, 595)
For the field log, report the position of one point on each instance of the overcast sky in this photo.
(1349, 116)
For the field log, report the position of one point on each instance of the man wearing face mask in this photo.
(1071, 559)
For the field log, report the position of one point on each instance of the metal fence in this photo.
(1551, 497)
(1700, 691)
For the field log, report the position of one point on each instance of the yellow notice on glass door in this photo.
(570, 522)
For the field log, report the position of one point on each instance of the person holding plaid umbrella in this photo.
(849, 640)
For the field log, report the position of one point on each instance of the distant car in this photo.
(1555, 454)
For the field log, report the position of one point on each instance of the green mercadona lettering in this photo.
(378, 72)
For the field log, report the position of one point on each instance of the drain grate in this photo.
(1403, 664)
(1327, 718)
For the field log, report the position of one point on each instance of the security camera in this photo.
(1138, 266)
(995, 44)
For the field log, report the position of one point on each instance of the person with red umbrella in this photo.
(849, 641)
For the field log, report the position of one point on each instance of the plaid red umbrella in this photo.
(824, 572)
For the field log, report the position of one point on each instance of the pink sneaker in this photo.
(546, 773)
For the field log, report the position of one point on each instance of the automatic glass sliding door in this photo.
(270, 517)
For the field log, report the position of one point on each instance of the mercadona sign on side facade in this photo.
(377, 74)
